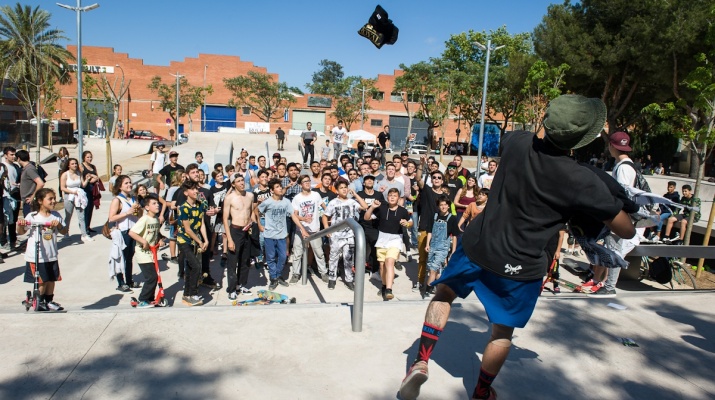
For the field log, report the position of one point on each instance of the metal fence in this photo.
(360, 248)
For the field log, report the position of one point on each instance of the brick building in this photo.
(140, 109)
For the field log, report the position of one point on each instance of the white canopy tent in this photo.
(358, 135)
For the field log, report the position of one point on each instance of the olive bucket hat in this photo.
(573, 121)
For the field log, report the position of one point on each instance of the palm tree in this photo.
(30, 57)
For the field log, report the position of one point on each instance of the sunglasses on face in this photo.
(437, 177)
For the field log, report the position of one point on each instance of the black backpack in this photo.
(640, 182)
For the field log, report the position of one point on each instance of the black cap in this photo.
(368, 177)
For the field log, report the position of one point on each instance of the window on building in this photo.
(245, 110)
(429, 99)
(379, 96)
(376, 122)
(396, 97)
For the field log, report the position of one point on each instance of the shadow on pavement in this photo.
(10, 274)
(131, 369)
(107, 302)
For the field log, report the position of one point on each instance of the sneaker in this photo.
(244, 290)
(42, 306)
(350, 286)
(388, 294)
(86, 239)
(232, 296)
(325, 278)
(282, 282)
(165, 257)
(331, 285)
(418, 287)
(125, 289)
(192, 300)
(273, 285)
(294, 279)
(6, 248)
(557, 290)
(430, 291)
(588, 284)
(595, 288)
(144, 304)
(135, 285)
(416, 376)
(603, 293)
(52, 306)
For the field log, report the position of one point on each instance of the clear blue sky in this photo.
(287, 37)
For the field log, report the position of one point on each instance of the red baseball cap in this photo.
(620, 141)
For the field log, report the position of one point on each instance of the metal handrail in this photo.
(359, 264)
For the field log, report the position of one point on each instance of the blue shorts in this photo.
(507, 302)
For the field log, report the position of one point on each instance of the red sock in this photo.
(483, 385)
(430, 335)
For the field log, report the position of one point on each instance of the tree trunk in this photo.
(700, 171)
(694, 163)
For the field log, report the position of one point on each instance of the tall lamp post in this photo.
(124, 106)
(79, 9)
(176, 122)
(489, 49)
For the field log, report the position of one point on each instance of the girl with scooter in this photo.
(41, 253)
(146, 235)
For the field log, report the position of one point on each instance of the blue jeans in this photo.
(262, 241)
(275, 256)
(413, 230)
(663, 217)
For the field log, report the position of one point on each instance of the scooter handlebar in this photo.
(28, 223)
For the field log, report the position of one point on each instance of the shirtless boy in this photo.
(238, 208)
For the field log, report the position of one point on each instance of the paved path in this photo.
(103, 348)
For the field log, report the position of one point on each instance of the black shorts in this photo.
(680, 217)
(49, 272)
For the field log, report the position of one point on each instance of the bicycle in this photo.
(680, 277)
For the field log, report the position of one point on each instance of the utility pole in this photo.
(489, 49)
(362, 108)
(176, 121)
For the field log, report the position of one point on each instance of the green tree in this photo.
(432, 88)
(543, 83)
(615, 50)
(327, 79)
(508, 67)
(266, 98)
(349, 106)
(32, 60)
(190, 97)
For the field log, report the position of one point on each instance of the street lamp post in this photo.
(489, 49)
(176, 122)
(79, 9)
(203, 118)
(124, 106)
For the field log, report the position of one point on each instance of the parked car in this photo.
(145, 135)
(418, 149)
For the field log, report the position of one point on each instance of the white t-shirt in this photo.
(339, 210)
(339, 134)
(48, 237)
(159, 159)
(485, 181)
(308, 206)
(624, 174)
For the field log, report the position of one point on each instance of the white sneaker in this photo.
(87, 239)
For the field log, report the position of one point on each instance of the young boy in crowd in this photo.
(342, 242)
(682, 218)
(665, 211)
(276, 209)
(393, 221)
(442, 235)
(146, 234)
(325, 151)
(191, 217)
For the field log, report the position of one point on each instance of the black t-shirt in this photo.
(260, 194)
(536, 189)
(280, 134)
(388, 221)
(369, 198)
(454, 185)
(168, 173)
(383, 137)
(218, 194)
(427, 206)
(452, 228)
